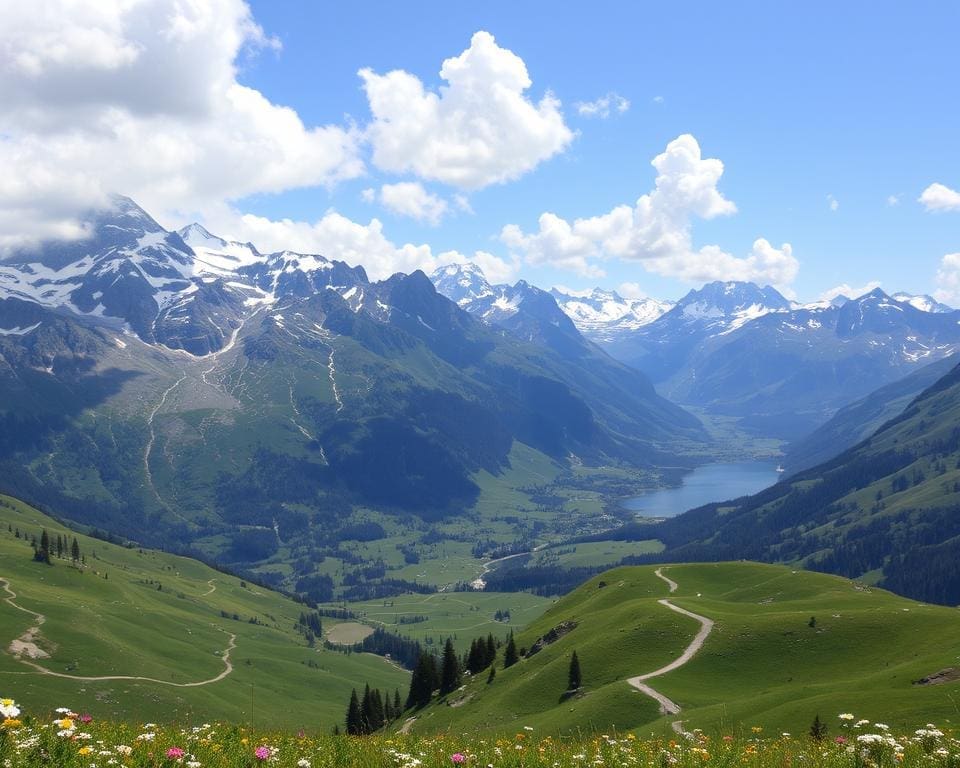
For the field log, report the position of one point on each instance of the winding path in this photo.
(667, 706)
(40, 619)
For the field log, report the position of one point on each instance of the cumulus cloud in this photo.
(893, 201)
(938, 197)
(604, 106)
(845, 289)
(948, 279)
(409, 198)
(338, 237)
(631, 291)
(833, 203)
(478, 129)
(141, 97)
(657, 230)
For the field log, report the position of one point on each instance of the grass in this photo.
(36, 739)
(461, 615)
(763, 664)
(348, 632)
(150, 614)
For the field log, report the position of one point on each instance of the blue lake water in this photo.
(711, 482)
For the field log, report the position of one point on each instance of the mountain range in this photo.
(193, 391)
(735, 349)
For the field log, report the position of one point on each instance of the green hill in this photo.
(148, 614)
(764, 663)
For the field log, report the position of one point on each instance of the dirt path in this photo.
(667, 706)
(24, 645)
(213, 588)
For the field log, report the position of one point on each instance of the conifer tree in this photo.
(354, 724)
(397, 705)
(421, 682)
(491, 650)
(75, 550)
(510, 656)
(574, 679)
(818, 729)
(450, 675)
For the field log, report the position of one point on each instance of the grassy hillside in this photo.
(763, 663)
(133, 612)
(857, 421)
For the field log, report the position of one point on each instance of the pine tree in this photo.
(354, 724)
(574, 679)
(493, 673)
(450, 675)
(397, 704)
(421, 682)
(510, 656)
(42, 553)
(491, 654)
(75, 550)
(367, 715)
(818, 729)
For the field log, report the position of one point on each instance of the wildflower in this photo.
(303, 763)
(10, 722)
(757, 729)
(458, 757)
(85, 718)
(840, 740)
(123, 749)
(9, 709)
(845, 716)
(175, 753)
(85, 750)
(64, 723)
(262, 753)
(193, 764)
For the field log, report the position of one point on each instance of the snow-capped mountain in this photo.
(525, 310)
(602, 315)
(462, 283)
(922, 302)
(784, 368)
(188, 290)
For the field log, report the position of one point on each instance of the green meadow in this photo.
(129, 612)
(786, 645)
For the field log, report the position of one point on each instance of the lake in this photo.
(711, 482)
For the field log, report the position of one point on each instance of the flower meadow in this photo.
(71, 739)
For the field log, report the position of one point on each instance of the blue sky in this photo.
(830, 119)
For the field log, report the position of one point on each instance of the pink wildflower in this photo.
(175, 752)
(457, 757)
(85, 718)
(840, 740)
(262, 753)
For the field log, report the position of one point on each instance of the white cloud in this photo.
(141, 97)
(845, 289)
(603, 106)
(337, 237)
(658, 99)
(368, 195)
(409, 198)
(938, 197)
(657, 230)
(478, 129)
(948, 279)
(893, 201)
(631, 291)
(833, 203)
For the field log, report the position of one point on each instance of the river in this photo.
(711, 482)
